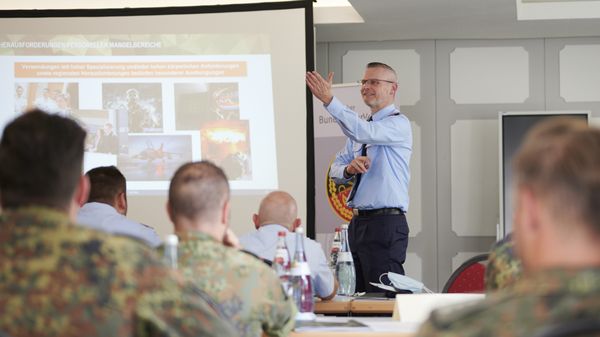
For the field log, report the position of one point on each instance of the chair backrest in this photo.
(574, 328)
(469, 277)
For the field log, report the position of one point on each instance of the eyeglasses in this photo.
(373, 82)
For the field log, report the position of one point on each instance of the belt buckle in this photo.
(355, 212)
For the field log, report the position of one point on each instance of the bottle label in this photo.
(280, 257)
(344, 257)
(300, 269)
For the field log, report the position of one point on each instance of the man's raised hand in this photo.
(319, 86)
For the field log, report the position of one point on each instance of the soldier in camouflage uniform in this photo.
(503, 267)
(557, 237)
(245, 287)
(60, 279)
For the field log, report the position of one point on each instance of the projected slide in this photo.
(151, 103)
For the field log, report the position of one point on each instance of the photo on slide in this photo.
(199, 103)
(154, 158)
(141, 103)
(101, 127)
(52, 97)
(227, 144)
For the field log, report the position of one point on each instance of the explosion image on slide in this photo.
(155, 158)
(227, 144)
(140, 102)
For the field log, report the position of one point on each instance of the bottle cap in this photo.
(299, 230)
(344, 226)
(172, 240)
(281, 233)
(338, 229)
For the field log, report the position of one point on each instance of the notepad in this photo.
(350, 325)
(417, 307)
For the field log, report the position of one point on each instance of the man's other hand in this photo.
(359, 165)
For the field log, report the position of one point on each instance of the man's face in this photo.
(376, 92)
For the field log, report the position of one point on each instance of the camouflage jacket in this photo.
(504, 267)
(245, 287)
(59, 279)
(532, 304)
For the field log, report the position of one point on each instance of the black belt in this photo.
(378, 211)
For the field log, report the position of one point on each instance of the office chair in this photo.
(469, 277)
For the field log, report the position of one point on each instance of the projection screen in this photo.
(159, 87)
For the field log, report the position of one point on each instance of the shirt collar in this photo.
(269, 228)
(385, 112)
(99, 205)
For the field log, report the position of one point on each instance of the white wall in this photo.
(453, 90)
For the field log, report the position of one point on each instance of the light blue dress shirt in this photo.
(104, 217)
(389, 146)
(263, 242)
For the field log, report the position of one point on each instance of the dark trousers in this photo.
(378, 244)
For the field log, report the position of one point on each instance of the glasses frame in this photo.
(376, 80)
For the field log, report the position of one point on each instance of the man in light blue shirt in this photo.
(278, 212)
(376, 155)
(106, 207)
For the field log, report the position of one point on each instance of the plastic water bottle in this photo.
(344, 268)
(282, 262)
(301, 281)
(335, 248)
(170, 252)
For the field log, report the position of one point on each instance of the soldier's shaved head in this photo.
(277, 207)
(198, 192)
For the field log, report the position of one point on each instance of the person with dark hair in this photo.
(59, 279)
(557, 238)
(376, 156)
(247, 288)
(106, 207)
